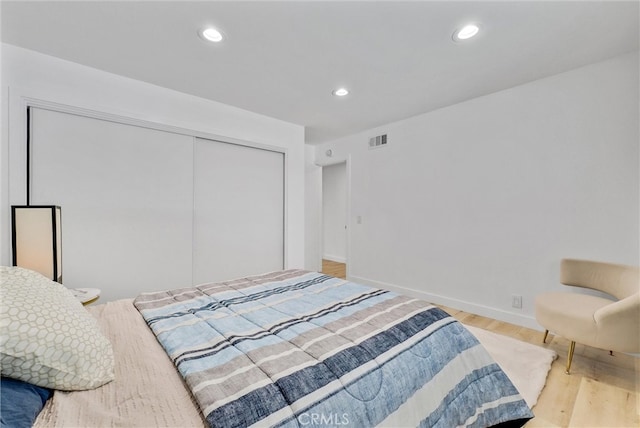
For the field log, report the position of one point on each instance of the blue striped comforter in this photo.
(296, 349)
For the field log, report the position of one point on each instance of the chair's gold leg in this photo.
(572, 348)
(544, 339)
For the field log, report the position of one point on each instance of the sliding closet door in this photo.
(239, 211)
(126, 194)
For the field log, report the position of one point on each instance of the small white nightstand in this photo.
(86, 296)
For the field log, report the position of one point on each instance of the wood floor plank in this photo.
(503, 328)
(557, 399)
(477, 321)
(339, 270)
(530, 336)
(617, 406)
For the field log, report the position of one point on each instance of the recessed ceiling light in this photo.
(340, 92)
(211, 34)
(466, 32)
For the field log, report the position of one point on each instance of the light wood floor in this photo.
(339, 270)
(601, 391)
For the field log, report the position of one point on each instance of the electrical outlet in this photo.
(516, 301)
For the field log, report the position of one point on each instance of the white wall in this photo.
(313, 211)
(30, 75)
(475, 202)
(334, 213)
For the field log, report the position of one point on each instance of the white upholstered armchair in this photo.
(594, 321)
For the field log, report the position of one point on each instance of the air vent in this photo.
(378, 141)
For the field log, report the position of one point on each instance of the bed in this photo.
(288, 348)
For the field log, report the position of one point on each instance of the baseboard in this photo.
(333, 258)
(474, 308)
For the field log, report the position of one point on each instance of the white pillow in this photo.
(47, 337)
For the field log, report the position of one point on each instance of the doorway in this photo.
(335, 219)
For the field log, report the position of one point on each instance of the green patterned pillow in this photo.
(47, 337)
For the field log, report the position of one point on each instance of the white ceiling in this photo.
(283, 59)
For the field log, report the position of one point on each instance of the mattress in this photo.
(430, 370)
